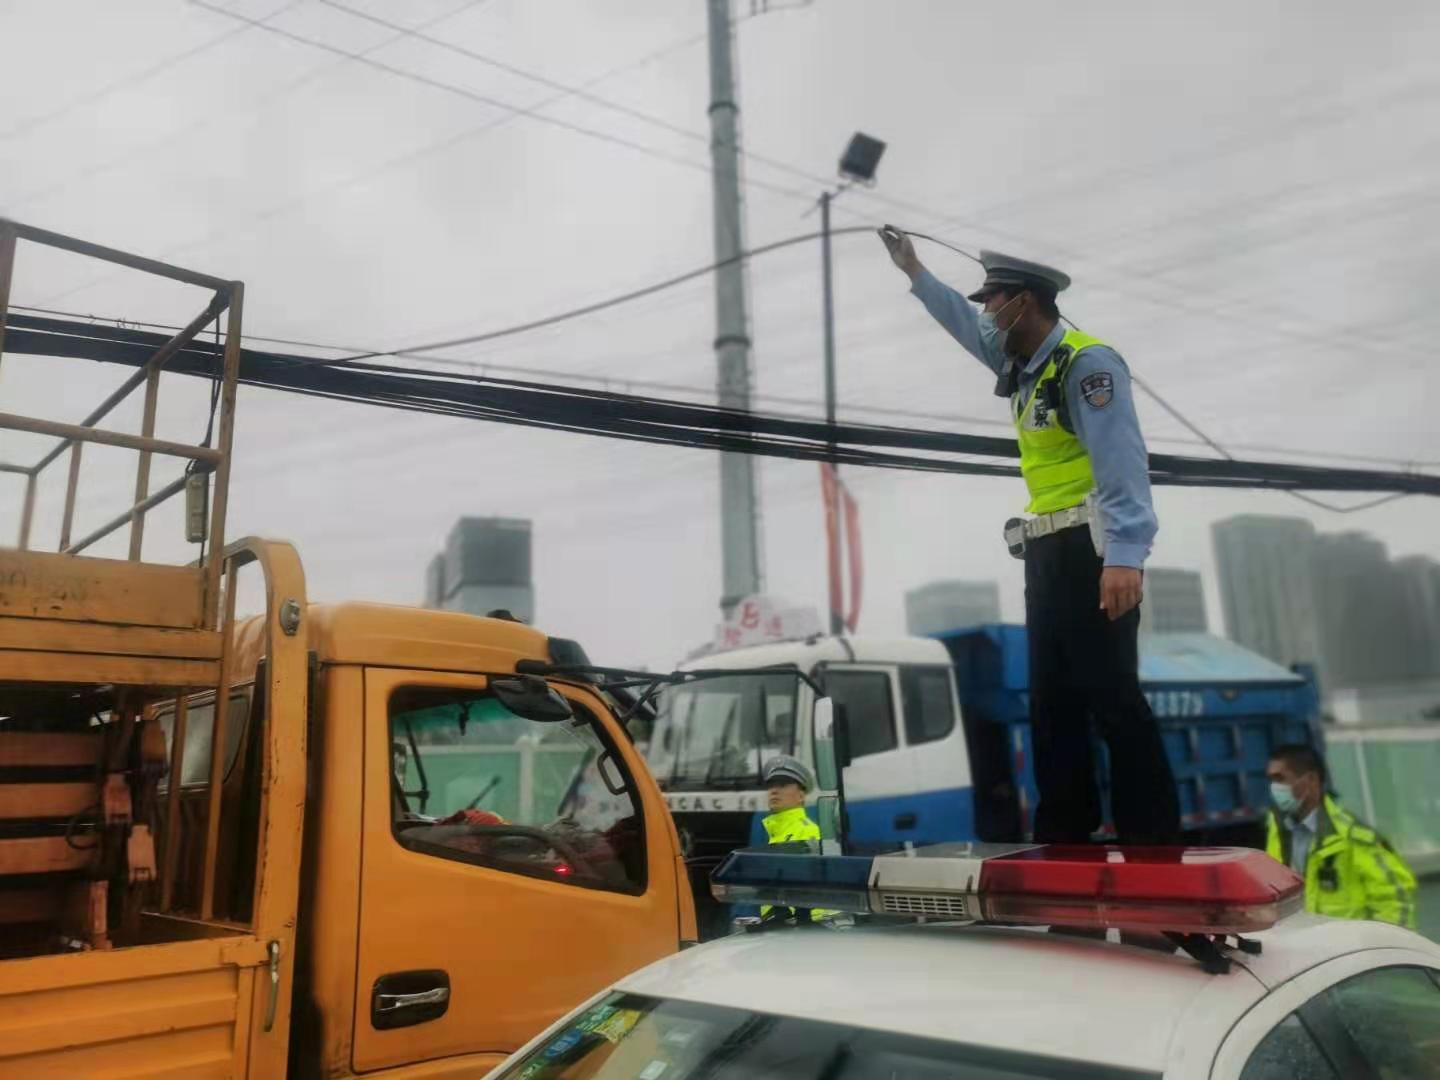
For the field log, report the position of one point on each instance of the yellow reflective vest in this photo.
(1053, 461)
(787, 826)
(1350, 871)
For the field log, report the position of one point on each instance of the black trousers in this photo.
(1084, 677)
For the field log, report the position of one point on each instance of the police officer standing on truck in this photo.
(1087, 470)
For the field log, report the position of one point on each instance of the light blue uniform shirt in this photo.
(1110, 434)
(1302, 835)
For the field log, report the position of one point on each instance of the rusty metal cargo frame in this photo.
(227, 297)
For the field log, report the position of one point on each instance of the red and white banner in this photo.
(841, 510)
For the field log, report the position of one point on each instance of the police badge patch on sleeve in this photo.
(1098, 388)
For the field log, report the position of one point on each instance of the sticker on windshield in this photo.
(564, 1043)
(618, 1026)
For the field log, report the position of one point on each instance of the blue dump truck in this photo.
(1221, 709)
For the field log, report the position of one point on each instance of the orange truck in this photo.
(346, 840)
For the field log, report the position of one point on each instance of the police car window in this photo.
(1288, 1053)
(627, 1036)
(869, 708)
(474, 782)
(929, 706)
(1393, 1016)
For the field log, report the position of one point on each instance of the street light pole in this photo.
(857, 165)
(829, 310)
(832, 507)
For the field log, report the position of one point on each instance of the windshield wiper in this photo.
(424, 793)
(627, 679)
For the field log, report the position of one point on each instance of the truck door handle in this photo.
(403, 998)
(905, 821)
(391, 1002)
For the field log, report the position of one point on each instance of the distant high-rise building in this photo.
(485, 566)
(1362, 612)
(1267, 587)
(1174, 602)
(1420, 590)
(945, 605)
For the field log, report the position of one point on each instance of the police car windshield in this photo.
(718, 732)
(628, 1036)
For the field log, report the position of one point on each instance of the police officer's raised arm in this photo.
(1102, 409)
(948, 307)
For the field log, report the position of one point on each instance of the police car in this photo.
(927, 984)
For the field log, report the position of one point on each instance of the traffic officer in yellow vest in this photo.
(787, 779)
(1087, 471)
(1350, 871)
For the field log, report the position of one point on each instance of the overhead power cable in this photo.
(533, 112)
(29, 123)
(404, 158)
(654, 420)
(628, 383)
(414, 351)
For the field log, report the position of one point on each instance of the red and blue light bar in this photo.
(1200, 890)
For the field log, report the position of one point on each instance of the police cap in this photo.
(1009, 273)
(786, 768)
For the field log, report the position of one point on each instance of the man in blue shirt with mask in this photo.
(1087, 471)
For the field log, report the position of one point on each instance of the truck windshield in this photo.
(720, 731)
(628, 1036)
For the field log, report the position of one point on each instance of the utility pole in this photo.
(739, 511)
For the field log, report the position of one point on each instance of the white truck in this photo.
(906, 768)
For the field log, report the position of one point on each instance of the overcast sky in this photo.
(1243, 193)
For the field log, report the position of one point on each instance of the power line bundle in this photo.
(639, 418)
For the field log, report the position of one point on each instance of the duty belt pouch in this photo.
(1329, 877)
(1097, 523)
(1015, 537)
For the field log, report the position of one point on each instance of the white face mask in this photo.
(990, 332)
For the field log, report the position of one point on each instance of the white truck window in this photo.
(929, 705)
(721, 731)
(868, 702)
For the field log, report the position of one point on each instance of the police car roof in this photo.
(1046, 994)
(817, 650)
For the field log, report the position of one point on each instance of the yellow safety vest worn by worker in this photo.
(1350, 871)
(787, 826)
(1053, 461)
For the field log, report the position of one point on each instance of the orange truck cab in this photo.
(348, 840)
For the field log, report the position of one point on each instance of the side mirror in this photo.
(531, 698)
(828, 816)
(827, 767)
(831, 757)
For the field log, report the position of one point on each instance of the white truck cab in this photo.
(907, 777)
